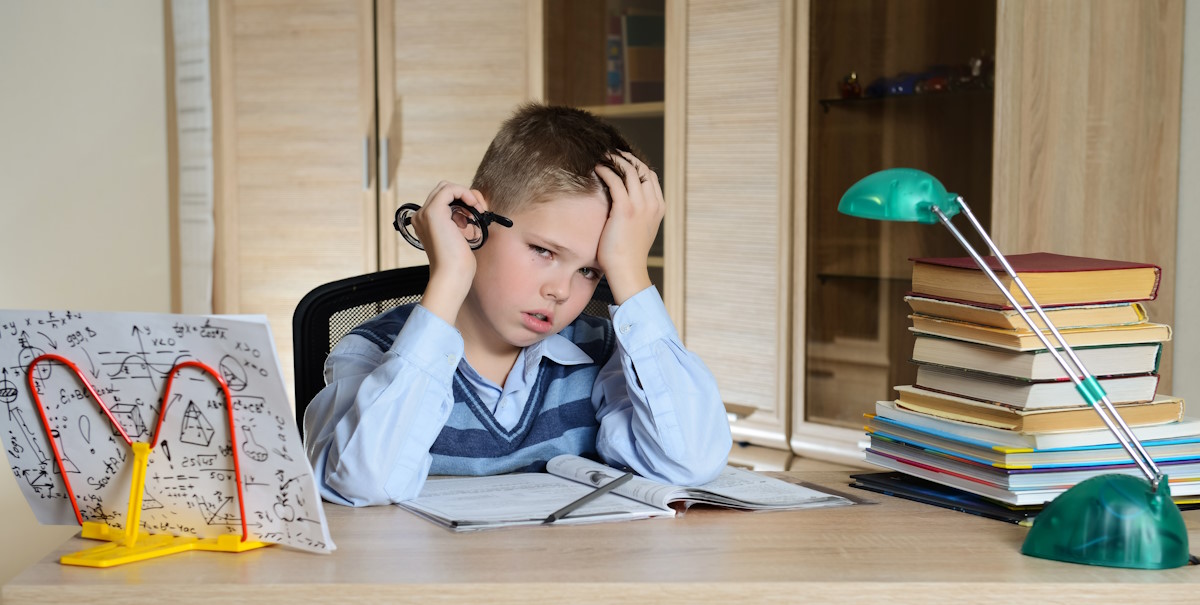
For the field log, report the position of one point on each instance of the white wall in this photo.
(1186, 369)
(83, 180)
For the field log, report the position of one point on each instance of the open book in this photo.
(474, 503)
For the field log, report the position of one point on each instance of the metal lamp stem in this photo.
(1078, 374)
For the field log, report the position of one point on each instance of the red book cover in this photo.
(1040, 262)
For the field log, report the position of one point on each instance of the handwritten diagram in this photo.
(191, 484)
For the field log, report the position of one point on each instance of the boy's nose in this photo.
(557, 289)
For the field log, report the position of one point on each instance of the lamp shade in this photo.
(899, 194)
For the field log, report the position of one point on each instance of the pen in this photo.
(592, 495)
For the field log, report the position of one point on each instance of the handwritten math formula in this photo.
(191, 484)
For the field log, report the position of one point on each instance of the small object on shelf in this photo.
(877, 88)
(849, 87)
(932, 84)
(903, 84)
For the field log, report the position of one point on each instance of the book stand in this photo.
(1113, 520)
(129, 544)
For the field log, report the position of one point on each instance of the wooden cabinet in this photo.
(578, 40)
(449, 74)
(798, 310)
(330, 113)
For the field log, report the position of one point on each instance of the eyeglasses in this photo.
(473, 223)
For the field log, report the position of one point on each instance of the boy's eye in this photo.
(540, 251)
(589, 273)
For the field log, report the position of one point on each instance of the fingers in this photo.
(642, 189)
(446, 192)
(634, 176)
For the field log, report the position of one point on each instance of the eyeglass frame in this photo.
(404, 218)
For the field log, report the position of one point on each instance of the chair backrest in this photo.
(331, 310)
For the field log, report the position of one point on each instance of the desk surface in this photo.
(886, 552)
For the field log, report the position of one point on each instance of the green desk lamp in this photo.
(1113, 520)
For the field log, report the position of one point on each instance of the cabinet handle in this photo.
(383, 168)
(366, 163)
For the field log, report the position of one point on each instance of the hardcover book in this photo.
(1024, 340)
(1028, 394)
(1039, 364)
(1160, 410)
(1052, 279)
(1075, 316)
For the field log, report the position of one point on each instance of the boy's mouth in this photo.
(538, 321)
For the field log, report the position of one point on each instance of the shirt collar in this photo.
(556, 348)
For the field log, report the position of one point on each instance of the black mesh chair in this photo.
(331, 310)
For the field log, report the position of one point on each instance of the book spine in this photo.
(614, 59)
(644, 55)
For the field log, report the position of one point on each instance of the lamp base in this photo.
(1111, 520)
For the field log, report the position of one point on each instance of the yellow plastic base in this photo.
(147, 546)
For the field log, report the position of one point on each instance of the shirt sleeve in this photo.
(368, 432)
(659, 408)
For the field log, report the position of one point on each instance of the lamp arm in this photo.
(1085, 383)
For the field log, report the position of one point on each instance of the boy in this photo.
(495, 370)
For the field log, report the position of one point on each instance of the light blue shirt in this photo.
(370, 429)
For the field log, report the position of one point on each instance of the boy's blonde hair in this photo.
(543, 152)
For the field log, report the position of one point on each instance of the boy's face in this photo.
(535, 278)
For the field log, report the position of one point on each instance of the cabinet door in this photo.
(450, 71)
(295, 205)
(738, 225)
(853, 343)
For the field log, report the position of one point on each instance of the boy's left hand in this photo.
(637, 210)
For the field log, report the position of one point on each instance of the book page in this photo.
(473, 503)
(190, 488)
(741, 488)
(734, 487)
(595, 474)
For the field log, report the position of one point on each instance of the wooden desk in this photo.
(889, 552)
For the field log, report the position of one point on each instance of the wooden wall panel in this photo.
(1087, 133)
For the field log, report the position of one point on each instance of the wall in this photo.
(1187, 282)
(83, 180)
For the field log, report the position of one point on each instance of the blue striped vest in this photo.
(558, 419)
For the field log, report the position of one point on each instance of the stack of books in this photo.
(992, 412)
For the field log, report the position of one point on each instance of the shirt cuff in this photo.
(428, 342)
(642, 319)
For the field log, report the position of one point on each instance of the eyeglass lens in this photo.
(470, 221)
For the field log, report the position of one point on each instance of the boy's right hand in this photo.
(451, 260)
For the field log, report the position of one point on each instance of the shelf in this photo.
(880, 101)
(627, 110)
(822, 277)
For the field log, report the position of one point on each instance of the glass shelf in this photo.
(627, 110)
(826, 104)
